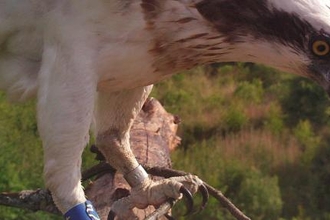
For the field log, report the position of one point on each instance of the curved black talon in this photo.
(205, 194)
(112, 215)
(189, 199)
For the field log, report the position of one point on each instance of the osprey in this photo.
(94, 61)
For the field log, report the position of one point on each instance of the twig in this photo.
(33, 200)
(97, 170)
(161, 210)
(166, 172)
(41, 199)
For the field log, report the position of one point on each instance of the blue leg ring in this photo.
(82, 211)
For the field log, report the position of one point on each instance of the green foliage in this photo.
(259, 196)
(254, 192)
(250, 91)
(308, 140)
(235, 119)
(259, 135)
(305, 101)
(274, 119)
(21, 156)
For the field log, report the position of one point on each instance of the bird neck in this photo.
(182, 37)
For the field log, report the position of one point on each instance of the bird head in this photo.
(290, 35)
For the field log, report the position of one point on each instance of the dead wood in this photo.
(153, 136)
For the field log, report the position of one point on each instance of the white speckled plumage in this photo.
(91, 61)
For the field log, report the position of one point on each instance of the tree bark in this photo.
(153, 135)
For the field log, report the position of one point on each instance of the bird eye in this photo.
(320, 48)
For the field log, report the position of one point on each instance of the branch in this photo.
(97, 170)
(152, 136)
(41, 199)
(33, 200)
(166, 173)
(161, 210)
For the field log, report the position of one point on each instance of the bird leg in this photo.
(65, 111)
(112, 138)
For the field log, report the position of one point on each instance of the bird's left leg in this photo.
(114, 116)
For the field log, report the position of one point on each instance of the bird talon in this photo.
(205, 195)
(111, 215)
(188, 199)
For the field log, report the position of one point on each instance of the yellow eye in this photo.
(320, 48)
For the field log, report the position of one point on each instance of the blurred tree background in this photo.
(259, 135)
